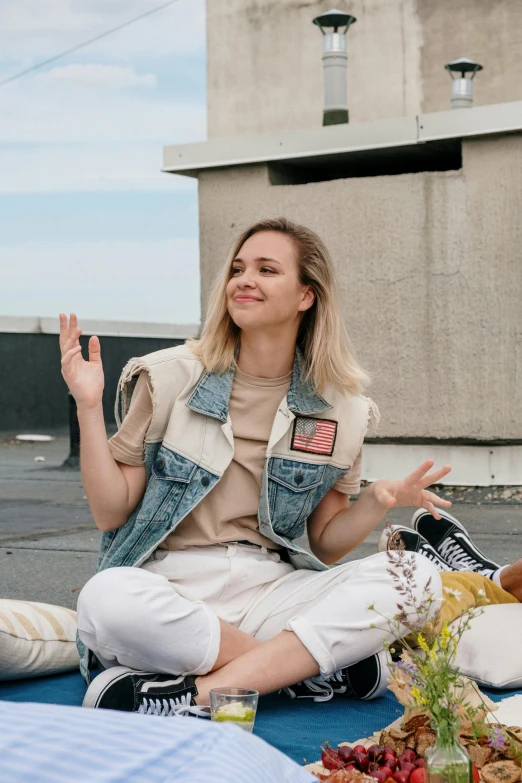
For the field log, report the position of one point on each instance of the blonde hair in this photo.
(322, 338)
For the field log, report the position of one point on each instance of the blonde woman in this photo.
(230, 447)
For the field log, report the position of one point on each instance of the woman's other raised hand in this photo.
(84, 379)
(413, 490)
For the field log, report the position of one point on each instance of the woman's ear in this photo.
(307, 300)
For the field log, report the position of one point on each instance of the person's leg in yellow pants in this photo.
(463, 590)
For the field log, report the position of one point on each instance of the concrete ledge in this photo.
(39, 325)
(324, 142)
(472, 466)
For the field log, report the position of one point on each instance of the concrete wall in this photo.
(430, 277)
(33, 394)
(265, 71)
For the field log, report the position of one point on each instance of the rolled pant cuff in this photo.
(212, 653)
(309, 638)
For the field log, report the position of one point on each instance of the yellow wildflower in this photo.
(417, 695)
(421, 641)
(415, 692)
(445, 636)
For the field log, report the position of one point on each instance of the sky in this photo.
(88, 223)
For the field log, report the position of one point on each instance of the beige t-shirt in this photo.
(229, 511)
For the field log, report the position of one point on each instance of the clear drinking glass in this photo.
(234, 705)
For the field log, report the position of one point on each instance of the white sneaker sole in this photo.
(386, 534)
(100, 684)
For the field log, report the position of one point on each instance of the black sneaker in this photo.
(121, 688)
(400, 537)
(364, 680)
(452, 542)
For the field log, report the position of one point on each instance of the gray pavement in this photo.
(49, 542)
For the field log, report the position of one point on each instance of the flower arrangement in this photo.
(446, 722)
(426, 679)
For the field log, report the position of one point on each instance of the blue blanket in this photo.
(296, 727)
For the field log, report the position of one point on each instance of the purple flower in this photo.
(496, 739)
(409, 667)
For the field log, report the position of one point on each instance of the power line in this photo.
(86, 43)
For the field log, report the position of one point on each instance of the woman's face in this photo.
(264, 288)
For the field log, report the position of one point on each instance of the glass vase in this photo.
(447, 761)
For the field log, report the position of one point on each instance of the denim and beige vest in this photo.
(190, 443)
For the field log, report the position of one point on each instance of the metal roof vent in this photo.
(462, 73)
(334, 26)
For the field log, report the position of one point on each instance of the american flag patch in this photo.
(317, 436)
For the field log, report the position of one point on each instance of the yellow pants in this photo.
(460, 592)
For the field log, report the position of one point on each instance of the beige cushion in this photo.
(490, 652)
(36, 639)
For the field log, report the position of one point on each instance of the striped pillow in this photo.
(36, 639)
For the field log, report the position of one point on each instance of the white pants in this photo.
(163, 617)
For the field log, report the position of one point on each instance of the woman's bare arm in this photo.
(335, 528)
(112, 488)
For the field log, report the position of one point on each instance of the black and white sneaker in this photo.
(121, 688)
(401, 537)
(315, 688)
(452, 542)
(364, 680)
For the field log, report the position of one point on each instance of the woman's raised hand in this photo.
(412, 490)
(84, 379)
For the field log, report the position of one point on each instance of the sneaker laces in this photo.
(457, 557)
(320, 688)
(434, 558)
(168, 707)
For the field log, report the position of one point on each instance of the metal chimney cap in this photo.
(463, 66)
(335, 19)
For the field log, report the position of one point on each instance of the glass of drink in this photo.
(234, 705)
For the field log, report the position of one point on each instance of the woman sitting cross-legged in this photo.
(230, 446)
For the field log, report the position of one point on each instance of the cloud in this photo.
(156, 282)
(99, 124)
(96, 75)
(126, 167)
(61, 114)
(33, 30)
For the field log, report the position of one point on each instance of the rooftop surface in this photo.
(49, 542)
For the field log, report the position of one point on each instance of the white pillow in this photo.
(490, 652)
(36, 639)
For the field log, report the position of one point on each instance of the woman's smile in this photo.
(243, 298)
